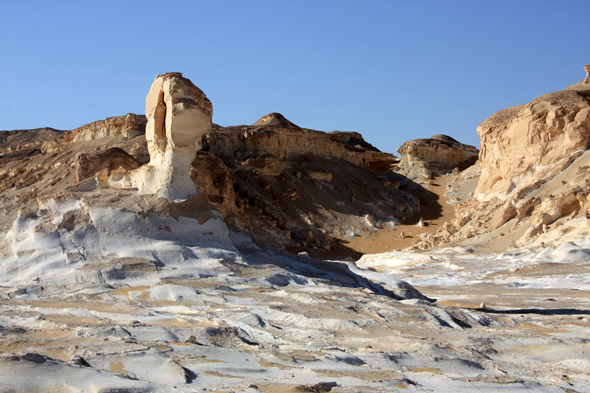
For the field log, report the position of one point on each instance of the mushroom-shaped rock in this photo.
(178, 115)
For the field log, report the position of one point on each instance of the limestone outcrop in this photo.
(298, 187)
(178, 115)
(438, 155)
(286, 143)
(88, 165)
(128, 127)
(523, 139)
(534, 173)
(274, 119)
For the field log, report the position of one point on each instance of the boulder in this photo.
(178, 115)
(438, 155)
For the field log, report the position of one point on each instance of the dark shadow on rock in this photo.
(538, 311)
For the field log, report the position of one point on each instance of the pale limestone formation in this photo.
(522, 139)
(178, 115)
(534, 173)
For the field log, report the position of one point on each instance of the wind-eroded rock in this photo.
(274, 119)
(87, 165)
(438, 155)
(128, 126)
(524, 138)
(534, 165)
(178, 115)
(298, 187)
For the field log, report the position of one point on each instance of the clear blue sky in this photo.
(391, 70)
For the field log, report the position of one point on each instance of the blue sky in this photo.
(391, 70)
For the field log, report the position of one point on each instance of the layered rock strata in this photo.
(128, 127)
(437, 156)
(299, 187)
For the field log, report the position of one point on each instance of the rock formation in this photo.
(534, 159)
(438, 155)
(522, 139)
(274, 119)
(178, 115)
(585, 84)
(128, 127)
(88, 165)
(298, 187)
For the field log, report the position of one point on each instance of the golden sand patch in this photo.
(118, 367)
(372, 375)
(144, 295)
(538, 329)
(432, 370)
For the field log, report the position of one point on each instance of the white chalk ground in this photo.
(103, 300)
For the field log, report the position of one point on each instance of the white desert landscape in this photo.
(166, 253)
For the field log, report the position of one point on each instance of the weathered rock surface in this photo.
(88, 165)
(178, 115)
(128, 127)
(274, 119)
(299, 187)
(117, 290)
(438, 155)
(524, 138)
(534, 161)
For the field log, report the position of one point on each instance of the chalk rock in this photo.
(440, 155)
(534, 162)
(585, 84)
(178, 115)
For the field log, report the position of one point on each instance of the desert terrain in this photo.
(165, 253)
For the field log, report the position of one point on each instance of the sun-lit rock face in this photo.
(438, 155)
(178, 115)
(518, 140)
(534, 183)
(128, 127)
